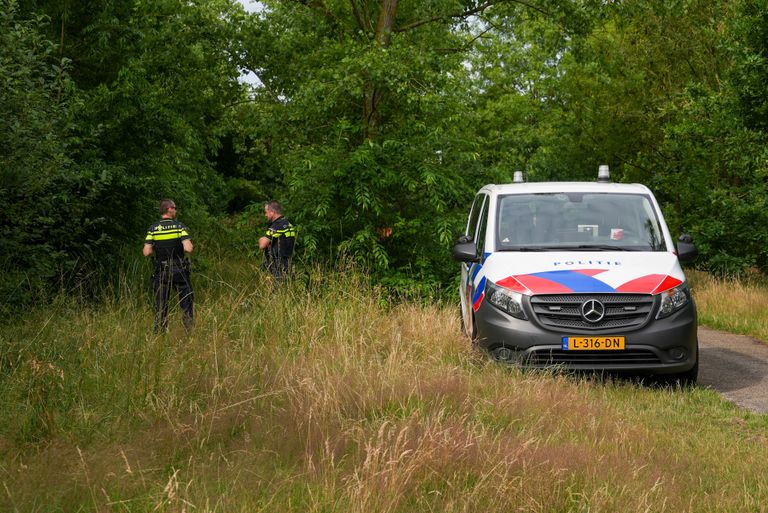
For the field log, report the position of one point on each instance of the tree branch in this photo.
(480, 8)
(531, 6)
(470, 12)
(466, 45)
(362, 19)
(318, 5)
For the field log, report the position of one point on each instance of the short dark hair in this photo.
(165, 205)
(274, 206)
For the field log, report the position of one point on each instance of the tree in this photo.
(92, 145)
(367, 100)
(45, 196)
(669, 93)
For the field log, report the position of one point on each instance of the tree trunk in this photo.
(372, 93)
(386, 22)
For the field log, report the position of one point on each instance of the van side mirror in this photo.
(465, 250)
(686, 250)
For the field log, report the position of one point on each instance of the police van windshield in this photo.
(577, 221)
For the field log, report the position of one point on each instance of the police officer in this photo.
(170, 241)
(278, 242)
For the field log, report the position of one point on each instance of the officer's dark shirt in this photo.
(282, 236)
(166, 237)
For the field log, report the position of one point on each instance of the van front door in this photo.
(475, 224)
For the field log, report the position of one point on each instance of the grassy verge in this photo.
(732, 305)
(325, 398)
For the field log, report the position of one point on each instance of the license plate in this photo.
(592, 343)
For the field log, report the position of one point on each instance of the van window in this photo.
(474, 215)
(578, 220)
(482, 222)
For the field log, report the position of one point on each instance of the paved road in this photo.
(736, 366)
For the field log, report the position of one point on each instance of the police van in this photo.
(583, 275)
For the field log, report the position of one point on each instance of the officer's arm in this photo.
(187, 243)
(148, 250)
(264, 242)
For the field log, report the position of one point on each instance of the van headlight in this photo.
(506, 300)
(673, 300)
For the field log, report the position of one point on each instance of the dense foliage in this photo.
(124, 109)
(373, 120)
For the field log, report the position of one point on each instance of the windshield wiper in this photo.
(532, 248)
(599, 247)
(582, 247)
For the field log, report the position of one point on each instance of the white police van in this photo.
(579, 274)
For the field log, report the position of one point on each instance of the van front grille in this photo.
(622, 311)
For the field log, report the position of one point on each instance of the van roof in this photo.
(554, 187)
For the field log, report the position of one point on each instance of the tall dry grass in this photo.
(738, 306)
(325, 397)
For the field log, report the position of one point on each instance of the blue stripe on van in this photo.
(576, 281)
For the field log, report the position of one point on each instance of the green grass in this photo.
(329, 398)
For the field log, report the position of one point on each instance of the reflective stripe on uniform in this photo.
(166, 235)
(276, 234)
(167, 240)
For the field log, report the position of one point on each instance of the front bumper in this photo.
(660, 346)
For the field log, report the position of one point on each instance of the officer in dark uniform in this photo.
(170, 242)
(278, 242)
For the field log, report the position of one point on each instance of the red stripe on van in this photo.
(512, 283)
(649, 284)
(539, 285)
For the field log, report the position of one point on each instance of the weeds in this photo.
(328, 397)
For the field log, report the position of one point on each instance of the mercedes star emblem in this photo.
(592, 311)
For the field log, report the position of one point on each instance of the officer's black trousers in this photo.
(162, 282)
(279, 267)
